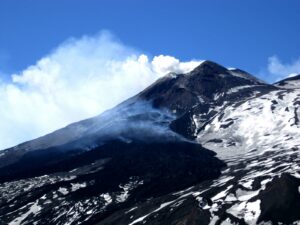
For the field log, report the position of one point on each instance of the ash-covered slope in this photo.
(152, 159)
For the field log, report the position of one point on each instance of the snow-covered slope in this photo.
(292, 82)
(266, 123)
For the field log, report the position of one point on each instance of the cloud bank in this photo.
(79, 79)
(279, 70)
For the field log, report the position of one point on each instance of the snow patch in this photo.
(34, 209)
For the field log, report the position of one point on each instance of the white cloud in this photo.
(79, 79)
(165, 64)
(281, 70)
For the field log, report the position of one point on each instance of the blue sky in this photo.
(232, 32)
(62, 61)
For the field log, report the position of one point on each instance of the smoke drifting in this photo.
(79, 79)
(137, 121)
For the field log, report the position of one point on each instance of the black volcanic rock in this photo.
(183, 91)
(280, 201)
(132, 156)
(156, 169)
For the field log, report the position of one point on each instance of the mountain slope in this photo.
(289, 83)
(213, 146)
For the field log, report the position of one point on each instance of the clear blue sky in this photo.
(232, 32)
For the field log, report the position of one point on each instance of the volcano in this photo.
(212, 146)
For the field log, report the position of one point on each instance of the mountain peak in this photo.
(208, 66)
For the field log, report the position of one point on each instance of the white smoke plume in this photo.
(79, 79)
